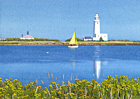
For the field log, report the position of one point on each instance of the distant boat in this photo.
(73, 42)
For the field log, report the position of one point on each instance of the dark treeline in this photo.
(35, 39)
(78, 39)
(117, 40)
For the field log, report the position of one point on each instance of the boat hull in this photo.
(75, 46)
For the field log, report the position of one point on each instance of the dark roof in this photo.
(87, 37)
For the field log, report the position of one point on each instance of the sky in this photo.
(57, 19)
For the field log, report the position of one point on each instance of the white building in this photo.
(87, 38)
(27, 36)
(97, 34)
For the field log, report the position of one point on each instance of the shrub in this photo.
(110, 88)
(78, 39)
(101, 39)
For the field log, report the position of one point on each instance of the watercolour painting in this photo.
(69, 49)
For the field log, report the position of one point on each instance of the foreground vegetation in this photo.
(110, 88)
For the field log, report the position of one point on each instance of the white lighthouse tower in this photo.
(96, 25)
(97, 35)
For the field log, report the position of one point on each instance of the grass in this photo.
(106, 43)
(66, 43)
(28, 42)
(111, 88)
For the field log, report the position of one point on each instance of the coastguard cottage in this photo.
(87, 38)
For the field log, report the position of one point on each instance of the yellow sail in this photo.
(73, 40)
(76, 42)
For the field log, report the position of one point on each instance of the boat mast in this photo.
(75, 33)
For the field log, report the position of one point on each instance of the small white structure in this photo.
(27, 36)
(2, 39)
(97, 34)
(87, 38)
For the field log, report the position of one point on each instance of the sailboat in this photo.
(73, 42)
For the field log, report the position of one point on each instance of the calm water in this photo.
(28, 63)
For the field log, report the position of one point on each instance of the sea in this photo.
(60, 63)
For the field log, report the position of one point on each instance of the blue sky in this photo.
(57, 19)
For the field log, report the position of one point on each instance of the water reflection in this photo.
(97, 68)
(73, 64)
(97, 52)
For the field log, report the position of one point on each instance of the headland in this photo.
(55, 43)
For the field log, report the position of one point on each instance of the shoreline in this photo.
(68, 44)
(80, 43)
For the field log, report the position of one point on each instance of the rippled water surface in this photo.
(28, 63)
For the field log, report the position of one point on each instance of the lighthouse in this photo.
(96, 26)
(96, 34)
